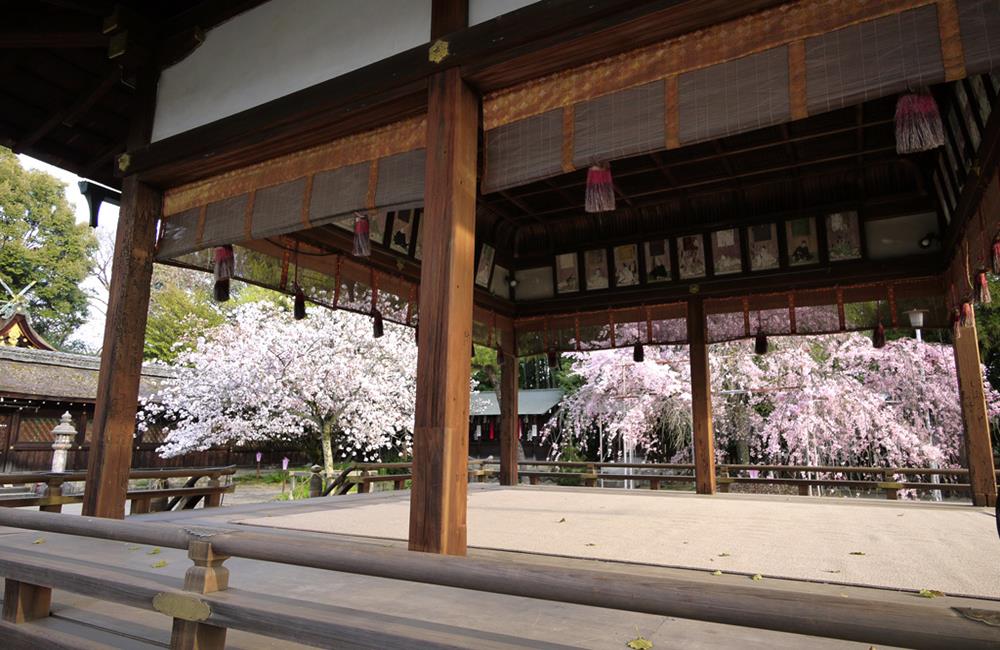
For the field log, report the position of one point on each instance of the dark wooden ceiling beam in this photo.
(52, 40)
(71, 112)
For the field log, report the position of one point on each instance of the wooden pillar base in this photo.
(509, 420)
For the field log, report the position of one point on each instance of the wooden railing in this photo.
(143, 500)
(888, 480)
(202, 615)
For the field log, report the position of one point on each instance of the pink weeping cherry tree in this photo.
(264, 376)
(831, 400)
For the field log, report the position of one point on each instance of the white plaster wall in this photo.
(280, 47)
(482, 10)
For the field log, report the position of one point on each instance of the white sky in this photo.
(92, 332)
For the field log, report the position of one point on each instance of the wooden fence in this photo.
(886, 480)
(205, 608)
(143, 500)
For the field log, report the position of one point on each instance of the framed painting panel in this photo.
(727, 258)
(691, 256)
(485, 266)
(567, 273)
(763, 244)
(595, 264)
(658, 260)
(626, 265)
(500, 286)
(533, 283)
(843, 236)
(803, 249)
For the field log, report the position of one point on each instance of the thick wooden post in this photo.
(121, 357)
(975, 421)
(509, 429)
(441, 441)
(23, 602)
(125, 326)
(701, 400)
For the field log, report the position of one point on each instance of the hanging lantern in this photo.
(638, 353)
(918, 123)
(362, 239)
(299, 310)
(225, 263)
(878, 336)
(553, 359)
(760, 343)
(982, 286)
(378, 329)
(600, 189)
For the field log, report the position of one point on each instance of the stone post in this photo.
(63, 434)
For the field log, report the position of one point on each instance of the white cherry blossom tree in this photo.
(264, 376)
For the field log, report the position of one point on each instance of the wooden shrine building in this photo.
(767, 166)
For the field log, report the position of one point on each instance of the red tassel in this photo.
(966, 318)
(982, 286)
(996, 256)
(878, 336)
(918, 123)
(378, 329)
(300, 303)
(638, 353)
(362, 240)
(600, 189)
(955, 320)
(225, 264)
(760, 343)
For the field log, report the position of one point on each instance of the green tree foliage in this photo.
(41, 242)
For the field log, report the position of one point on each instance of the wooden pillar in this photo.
(441, 424)
(975, 421)
(509, 421)
(110, 454)
(701, 399)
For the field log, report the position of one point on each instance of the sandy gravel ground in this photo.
(951, 548)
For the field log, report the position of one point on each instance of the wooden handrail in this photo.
(874, 621)
(21, 478)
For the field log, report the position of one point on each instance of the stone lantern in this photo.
(63, 434)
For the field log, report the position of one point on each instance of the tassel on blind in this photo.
(225, 265)
(378, 328)
(500, 359)
(760, 343)
(996, 256)
(600, 195)
(955, 320)
(362, 236)
(553, 359)
(878, 336)
(918, 123)
(638, 353)
(982, 286)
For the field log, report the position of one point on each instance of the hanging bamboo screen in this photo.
(379, 170)
(785, 63)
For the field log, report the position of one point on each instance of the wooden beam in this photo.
(71, 112)
(979, 451)
(124, 330)
(448, 16)
(441, 437)
(23, 602)
(509, 419)
(701, 399)
(52, 39)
